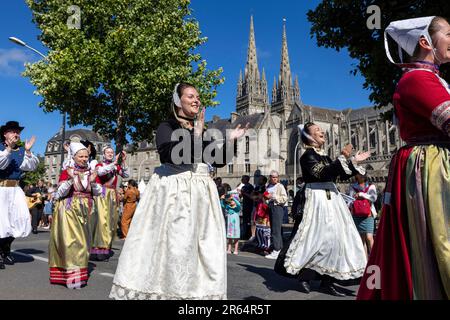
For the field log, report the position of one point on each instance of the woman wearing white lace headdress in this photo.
(70, 235)
(175, 247)
(104, 228)
(412, 246)
(326, 240)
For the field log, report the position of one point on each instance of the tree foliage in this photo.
(117, 71)
(342, 24)
(32, 177)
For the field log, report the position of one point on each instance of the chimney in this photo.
(215, 119)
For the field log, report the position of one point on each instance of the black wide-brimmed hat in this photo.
(10, 125)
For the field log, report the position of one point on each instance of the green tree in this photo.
(32, 177)
(116, 72)
(342, 24)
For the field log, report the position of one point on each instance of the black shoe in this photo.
(305, 287)
(35, 231)
(2, 265)
(103, 257)
(8, 259)
(329, 288)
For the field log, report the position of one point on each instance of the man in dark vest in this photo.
(15, 158)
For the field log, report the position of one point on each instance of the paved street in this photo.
(250, 277)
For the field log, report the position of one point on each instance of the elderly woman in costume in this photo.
(175, 246)
(14, 214)
(105, 225)
(70, 235)
(326, 240)
(411, 251)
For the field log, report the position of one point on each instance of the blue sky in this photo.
(324, 74)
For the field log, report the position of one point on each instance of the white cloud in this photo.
(12, 61)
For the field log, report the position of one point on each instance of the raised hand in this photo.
(239, 132)
(29, 143)
(199, 124)
(347, 151)
(359, 157)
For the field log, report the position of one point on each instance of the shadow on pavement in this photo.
(29, 251)
(273, 281)
(253, 298)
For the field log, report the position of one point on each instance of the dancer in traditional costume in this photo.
(410, 258)
(175, 246)
(70, 234)
(104, 228)
(14, 214)
(327, 240)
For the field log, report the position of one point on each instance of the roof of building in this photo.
(82, 133)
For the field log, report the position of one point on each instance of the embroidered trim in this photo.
(344, 164)
(317, 169)
(121, 293)
(441, 116)
(361, 170)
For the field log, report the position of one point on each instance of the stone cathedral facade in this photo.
(275, 121)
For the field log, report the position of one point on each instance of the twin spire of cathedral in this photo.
(252, 92)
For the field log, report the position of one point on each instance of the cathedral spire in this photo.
(251, 69)
(285, 68)
(296, 89)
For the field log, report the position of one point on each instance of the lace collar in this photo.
(319, 151)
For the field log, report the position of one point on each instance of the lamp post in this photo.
(63, 126)
(23, 44)
(295, 158)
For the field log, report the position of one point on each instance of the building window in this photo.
(230, 168)
(247, 144)
(135, 173)
(247, 166)
(49, 148)
(147, 155)
(54, 160)
(147, 172)
(55, 147)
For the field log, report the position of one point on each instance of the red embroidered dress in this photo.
(411, 254)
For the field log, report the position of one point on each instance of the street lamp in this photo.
(295, 158)
(63, 127)
(23, 44)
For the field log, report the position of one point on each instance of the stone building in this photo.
(52, 156)
(274, 137)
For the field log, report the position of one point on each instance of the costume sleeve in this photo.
(167, 146)
(96, 188)
(123, 171)
(323, 171)
(4, 159)
(65, 184)
(29, 163)
(216, 152)
(103, 170)
(427, 95)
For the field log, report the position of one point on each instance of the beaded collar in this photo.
(420, 65)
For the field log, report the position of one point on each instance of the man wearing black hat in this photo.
(15, 158)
